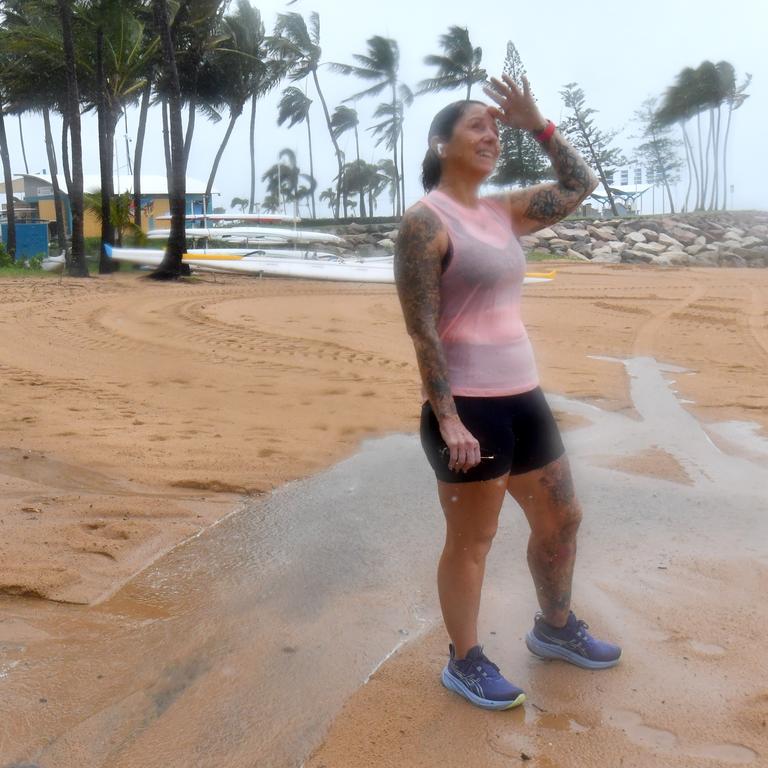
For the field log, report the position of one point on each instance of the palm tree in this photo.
(77, 266)
(458, 66)
(331, 197)
(299, 47)
(114, 76)
(34, 78)
(294, 108)
(245, 71)
(381, 64)
(8, 179)
(345, 119)
(171, 266)
(388, 178)
(734, 96)
(283, 181)
(239, 202)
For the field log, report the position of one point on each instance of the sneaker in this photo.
(571, 643)
(478, 680)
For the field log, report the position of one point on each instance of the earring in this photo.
(441, 150)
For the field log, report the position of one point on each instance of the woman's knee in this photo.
(474, 543)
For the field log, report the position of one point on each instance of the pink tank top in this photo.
(485, 342)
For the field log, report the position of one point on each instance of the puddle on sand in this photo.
(659, 740)
(707, 649)
(641, 734)
(553, 721)
(733, 754)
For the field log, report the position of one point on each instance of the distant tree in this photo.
(330, 197)
(388, 179)
(694, 92)
(658, 152)
(239, 202)
(381, 64)
(594, 143)
(521, 160)
(284, 182)
(299, 48)
(458, 66)
(294, 108)
(734, 97)
(345, 119)
(244, 70)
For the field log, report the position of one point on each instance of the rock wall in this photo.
(727, 239)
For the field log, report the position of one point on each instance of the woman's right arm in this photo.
(421, 246)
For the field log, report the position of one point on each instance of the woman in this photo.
(485, 426)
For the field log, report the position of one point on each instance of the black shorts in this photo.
(519, 432)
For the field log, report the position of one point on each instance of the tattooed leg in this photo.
(547, 497)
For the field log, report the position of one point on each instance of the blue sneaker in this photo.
(478, 680)
(571, 643)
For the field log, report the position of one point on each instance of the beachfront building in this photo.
(34, 193)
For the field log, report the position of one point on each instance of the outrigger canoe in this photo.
(258, 263)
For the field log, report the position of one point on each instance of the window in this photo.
(624, 178)
(638, 175)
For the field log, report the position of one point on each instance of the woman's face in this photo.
(474, 145)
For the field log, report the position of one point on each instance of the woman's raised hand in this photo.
(517, 108)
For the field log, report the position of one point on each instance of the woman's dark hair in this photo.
(442, 126)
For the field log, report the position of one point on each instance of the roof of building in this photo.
(150, 185)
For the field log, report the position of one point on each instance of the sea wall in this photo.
(726, 239)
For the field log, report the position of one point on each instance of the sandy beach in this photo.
(137, 415)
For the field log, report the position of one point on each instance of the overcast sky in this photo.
(619, 53)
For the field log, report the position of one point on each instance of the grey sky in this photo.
(619, 53)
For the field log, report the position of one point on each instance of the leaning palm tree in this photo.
(381, 64)
(244, 70)
(294, 108)
(734, 97)
(299, 48)
(330, 196)
(458, 66)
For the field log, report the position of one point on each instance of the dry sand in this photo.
(135, 414)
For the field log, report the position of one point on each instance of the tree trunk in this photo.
(190, 127)
(701, 192)
(8, 178)
(252, 146)
(58, 204)
(139, 151)
(691, 159)
(311, 165)
(171, 266)
(167, 147)
(715, 198)
(402, 168)
(107, 124)
(333, 141)
(725, 157)
(77, 266)
(23, 148)
(362, 190)
(65, 164)
(209, 187)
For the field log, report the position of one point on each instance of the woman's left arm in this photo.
(543, 204)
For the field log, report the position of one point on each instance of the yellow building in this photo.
(36, 191)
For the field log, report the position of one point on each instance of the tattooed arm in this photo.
(421, 246)
(544, 204)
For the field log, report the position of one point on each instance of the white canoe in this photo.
(268, 235)
(259, 218)
(314, 269)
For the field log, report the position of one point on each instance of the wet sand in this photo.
(137, 415)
